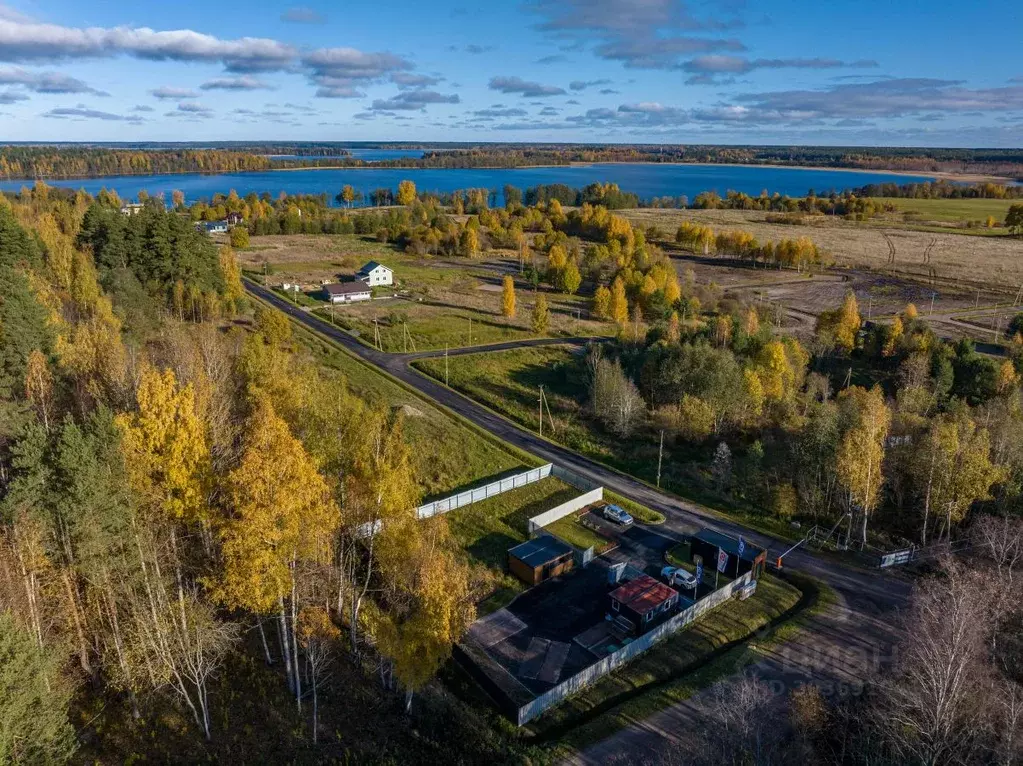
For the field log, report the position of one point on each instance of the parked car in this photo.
(679, 577)
(617, 515)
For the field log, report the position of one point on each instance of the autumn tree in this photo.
(508, 296)
(602, 303)
(619, 303)
(861, 451)
(239, 237)
(840, 328)
(282, 517)
(953, 469)
(406, 193)
(614, 398)
(318, 636)
(541, 320)
(430, 604)
(469, 242)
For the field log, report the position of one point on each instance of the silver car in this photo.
(617, 515)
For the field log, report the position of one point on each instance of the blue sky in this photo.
(900, 73)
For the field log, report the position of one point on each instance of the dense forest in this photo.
(182, 494)
(71, 161)
(45, 162)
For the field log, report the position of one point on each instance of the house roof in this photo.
(642, 594)
(728, 544)
(345, 288)
(371, 266)
(540, 550)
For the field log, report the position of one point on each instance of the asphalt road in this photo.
(846, 645)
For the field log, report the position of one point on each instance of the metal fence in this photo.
(559, 512)
(470, 496)
(598, 670)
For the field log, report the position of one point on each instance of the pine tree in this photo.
(34, 700)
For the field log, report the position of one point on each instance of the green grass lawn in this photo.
(428, 327)
(487, 529)
(667, 673)
(571, 530)
(953, 210)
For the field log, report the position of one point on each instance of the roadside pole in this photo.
(660, 453)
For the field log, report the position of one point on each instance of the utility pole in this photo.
(541, 409)
(470, 330)
(933, 296)
(660, 454)
(376, 334)
(445, 364)
(870, 306)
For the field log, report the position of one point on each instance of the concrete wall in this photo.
(462, 499)
(549, 517)
(595, 672)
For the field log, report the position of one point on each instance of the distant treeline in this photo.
(69, 161)
(43, 162)
(941, 190)
(1008, 162)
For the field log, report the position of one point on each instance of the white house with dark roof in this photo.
(374, 274)
(347, 292)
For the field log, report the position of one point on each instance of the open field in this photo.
(434, 297)
(665, 674)
(954, 210)
(947, 257)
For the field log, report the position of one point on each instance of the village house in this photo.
(636, 606)
(346, 292)
(212, 227)
(374, 274)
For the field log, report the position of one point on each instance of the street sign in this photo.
(742, 546)
(722, 560)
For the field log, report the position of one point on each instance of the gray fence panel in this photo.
(462, 499)
(628, 652)
(558, 512)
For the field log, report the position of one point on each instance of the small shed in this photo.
(374, 274)
(346, 292)
(707, 543)
(540, 559)
(642, 601)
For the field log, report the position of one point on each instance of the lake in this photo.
(646, 180)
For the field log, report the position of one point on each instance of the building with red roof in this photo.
(643, 601)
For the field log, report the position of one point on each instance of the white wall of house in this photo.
(350, 297)
(381, 275)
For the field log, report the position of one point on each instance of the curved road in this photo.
(847, 643)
